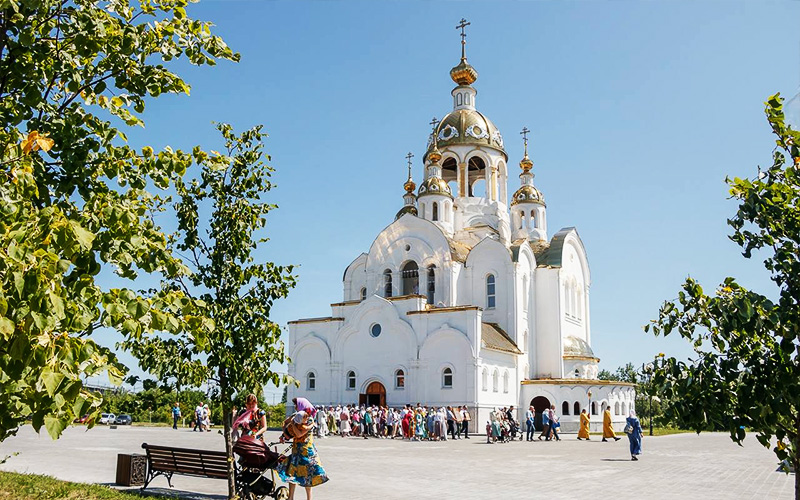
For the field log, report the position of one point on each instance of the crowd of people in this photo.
(420, 423)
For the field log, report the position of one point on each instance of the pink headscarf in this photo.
(302, 404)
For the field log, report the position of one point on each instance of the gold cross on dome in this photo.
(408, 157)
(524, 135)
(434, 123)
(462, 25)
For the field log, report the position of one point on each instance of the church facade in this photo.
(464, 299)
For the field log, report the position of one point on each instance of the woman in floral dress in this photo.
(303, 467)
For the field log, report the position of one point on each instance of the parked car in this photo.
(81, 420)
(124, 420)
(107, 418)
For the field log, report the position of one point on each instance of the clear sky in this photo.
(638, 111)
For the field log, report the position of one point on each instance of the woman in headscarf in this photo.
(583, 432)
(635, 434)
(303, 467)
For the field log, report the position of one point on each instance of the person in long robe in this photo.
(583, 432)
(608, 428)
(635, 436)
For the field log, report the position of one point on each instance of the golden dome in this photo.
(435, 155)
(464, 73)
(409, 186)
(467, 126)
(527, 194)
(434, 185)
(408, 209)
(526, 164)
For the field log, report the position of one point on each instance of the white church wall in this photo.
(546, 357)
(355, 278)
(490, 257)
(446, 348)
(311, 355)
(465, 320)
(616, 396)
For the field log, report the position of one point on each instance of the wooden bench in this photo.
(166, 461)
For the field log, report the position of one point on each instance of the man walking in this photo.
(465, 418)
(545, 424)
(176, 414)
(529, 428)
(608, 428)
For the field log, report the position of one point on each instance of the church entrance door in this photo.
(540, 404)
(375, 395)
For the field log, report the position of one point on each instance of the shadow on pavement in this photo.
(167, 493)
(616, 460)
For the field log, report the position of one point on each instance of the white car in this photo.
(107, 418)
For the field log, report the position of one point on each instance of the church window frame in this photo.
(506, 378)
(491, 291)
(311, 381)
(525, 293)
(533, 220)
(430, 284)
(594, 407)
(447, 377)
(616, 408)
(435, 211)
(387, 283)
(495, 380)
(624, 408)
(485, 380)
(422, 210)
(565, 408)
(409, 276)
(576, 408)
(363, 293)
(351, 380)
(399, 379)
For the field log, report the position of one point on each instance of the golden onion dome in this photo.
(434, 185)
(408, 209)
(526, 164)
(464, 73)
(467, 127)
(409, 186)
(435, 155)
(527, 194)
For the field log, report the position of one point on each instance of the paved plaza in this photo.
(708, 466)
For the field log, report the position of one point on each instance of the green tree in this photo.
(74, 196)
(239, 292)
(746, 375)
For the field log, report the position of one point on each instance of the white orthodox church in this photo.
(464, 299)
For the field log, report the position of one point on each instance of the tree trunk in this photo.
(226, 419)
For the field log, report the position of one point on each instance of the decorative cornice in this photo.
(315, 320)
(346, 303)
(446, 309)
(406, 297)
(582, 358)
(574, 381)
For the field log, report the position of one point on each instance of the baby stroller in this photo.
(255, 475)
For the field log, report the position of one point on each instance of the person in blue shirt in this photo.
(176, 415)
(529, 423)
(545, 425)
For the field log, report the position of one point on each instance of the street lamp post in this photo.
(648, 369)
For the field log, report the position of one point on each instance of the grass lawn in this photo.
(657, 431)
(15, 486)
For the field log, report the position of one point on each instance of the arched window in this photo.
(387, 283)
(410, 275)
(431, 288)
(485, 380)
(495, 380)
(594, 407)
(577, 373)
(490, 292)
(422, 210)
(624, 408)
(568, 298)
(448, 213)
(533, 219)
(616, 408)
(399, 379)
(311, 381)
(505, 382)
(447, 378)
(521, 220)
(565, 408)
(364, 293)
(435, 211)
(578, 304)
(525, 292)
(576, 408)
(351, 380)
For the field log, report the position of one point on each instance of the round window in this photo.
(375, 330)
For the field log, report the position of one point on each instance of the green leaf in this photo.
(52, 381)
(55, 426)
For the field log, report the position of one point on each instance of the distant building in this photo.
(463, 299)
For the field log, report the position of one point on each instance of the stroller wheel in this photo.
(282, 493)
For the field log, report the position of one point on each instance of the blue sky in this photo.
(637, 112)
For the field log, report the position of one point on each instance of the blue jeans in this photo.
(530, 430)
(552, 430)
